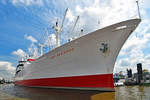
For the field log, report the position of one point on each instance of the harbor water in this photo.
(12, 92)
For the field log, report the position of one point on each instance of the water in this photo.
(11, 92)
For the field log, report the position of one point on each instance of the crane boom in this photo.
(75, 24)
(62, 24)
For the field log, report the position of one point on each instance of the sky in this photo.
(24, 23)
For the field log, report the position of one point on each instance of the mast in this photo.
(57, 34)
(58, 30)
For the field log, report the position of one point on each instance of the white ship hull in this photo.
(81, 63)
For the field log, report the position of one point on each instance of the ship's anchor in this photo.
(105, 47)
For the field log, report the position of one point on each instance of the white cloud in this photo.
(107, 12)
(32, 50)
(27, 2)
(70, 15)
(124, 62)
(131, 62)
(30, 38)
(145, 3)
(19, 53)
(6, 69)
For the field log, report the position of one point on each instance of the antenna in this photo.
(74, 24)
(137, 2)
(58, 30)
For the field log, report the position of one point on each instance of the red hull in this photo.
(88, 81)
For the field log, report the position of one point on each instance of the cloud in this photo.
(19, 53)
(124, 62)
(70, 16)
(107, 12)
(27, 2)
(131, 62)
(30, 38)
(6, 69)
(32, 50)
(145, 3)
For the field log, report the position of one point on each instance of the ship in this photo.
(84, 63)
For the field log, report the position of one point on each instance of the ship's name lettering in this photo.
(62, 53)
